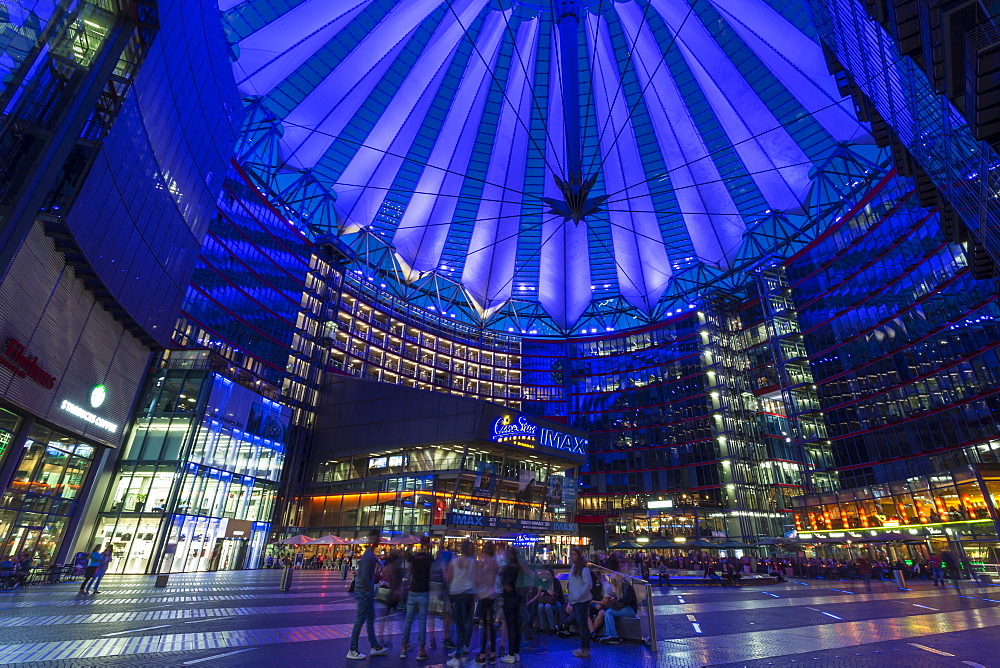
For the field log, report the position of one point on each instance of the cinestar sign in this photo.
(507, 428)
(524, 432)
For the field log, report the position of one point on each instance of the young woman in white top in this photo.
(581, 581)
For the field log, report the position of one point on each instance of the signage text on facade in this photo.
(16, 358)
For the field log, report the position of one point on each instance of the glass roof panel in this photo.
(550, 166)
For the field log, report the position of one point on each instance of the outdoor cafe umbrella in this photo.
(329, 540)
(296, 540)
(364, 541)
(626, 545)
(661, 544)
(733, 545)
(699, 543)
(404, 540)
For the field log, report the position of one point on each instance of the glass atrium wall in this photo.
(902, 341)
(200, 469)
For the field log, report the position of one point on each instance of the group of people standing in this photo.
(97, 566)
(499, 589)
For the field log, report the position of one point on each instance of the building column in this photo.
(15, 450)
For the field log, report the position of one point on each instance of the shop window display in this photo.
(47, 481)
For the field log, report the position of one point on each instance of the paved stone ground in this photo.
(242, 619)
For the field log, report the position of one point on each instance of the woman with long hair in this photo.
(578, 598)
(461, 588)
(486, 590)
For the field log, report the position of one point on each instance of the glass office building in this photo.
(195, 486)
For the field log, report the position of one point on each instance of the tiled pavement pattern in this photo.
(242, 619)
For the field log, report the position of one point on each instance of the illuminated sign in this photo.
(87, 416)
(521, 431)
(560, 441)
(97, 396)
(507, 428)
(17, 358)
(652, 505)
(386, 462)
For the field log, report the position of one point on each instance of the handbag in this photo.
(350, 589)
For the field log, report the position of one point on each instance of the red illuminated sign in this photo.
(16, 358)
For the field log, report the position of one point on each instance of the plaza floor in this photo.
(242, 619)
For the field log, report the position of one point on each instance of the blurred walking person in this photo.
(364, 594)
(462, 590)
(418, 600)
(581, 581)
(93, 563)
(487, 591)
(102, 569)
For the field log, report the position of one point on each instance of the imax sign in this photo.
(560, 441)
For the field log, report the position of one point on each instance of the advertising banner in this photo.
(485, 480)
(554, 499)
(526, 486)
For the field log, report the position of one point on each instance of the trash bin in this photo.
(161, 581)
(900, 578)
(343, 570)
(286, 578)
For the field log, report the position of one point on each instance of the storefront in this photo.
(949, 512)
(413, 462)
(196, 485)
(69, 375)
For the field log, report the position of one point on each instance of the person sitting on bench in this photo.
(624, 605)
(7, 573)
(710, 574)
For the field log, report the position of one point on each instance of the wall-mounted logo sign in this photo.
(87, 416)
(17, 358)
(560, 441)
(97, 396)
(507, 428)
(521, 431)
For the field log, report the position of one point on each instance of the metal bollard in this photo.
(286, 578)
(343, 570)
(900, 578)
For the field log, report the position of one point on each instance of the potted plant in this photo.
(140, 501)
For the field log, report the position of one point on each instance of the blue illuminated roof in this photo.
(548, 167)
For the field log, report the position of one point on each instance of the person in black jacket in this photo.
(418, 600)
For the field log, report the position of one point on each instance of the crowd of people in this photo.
(512, 603)
(729, 569)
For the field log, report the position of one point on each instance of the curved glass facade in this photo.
(531, 169)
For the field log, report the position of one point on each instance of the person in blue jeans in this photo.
(364, 594)
(418, 600)
(624, 606)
